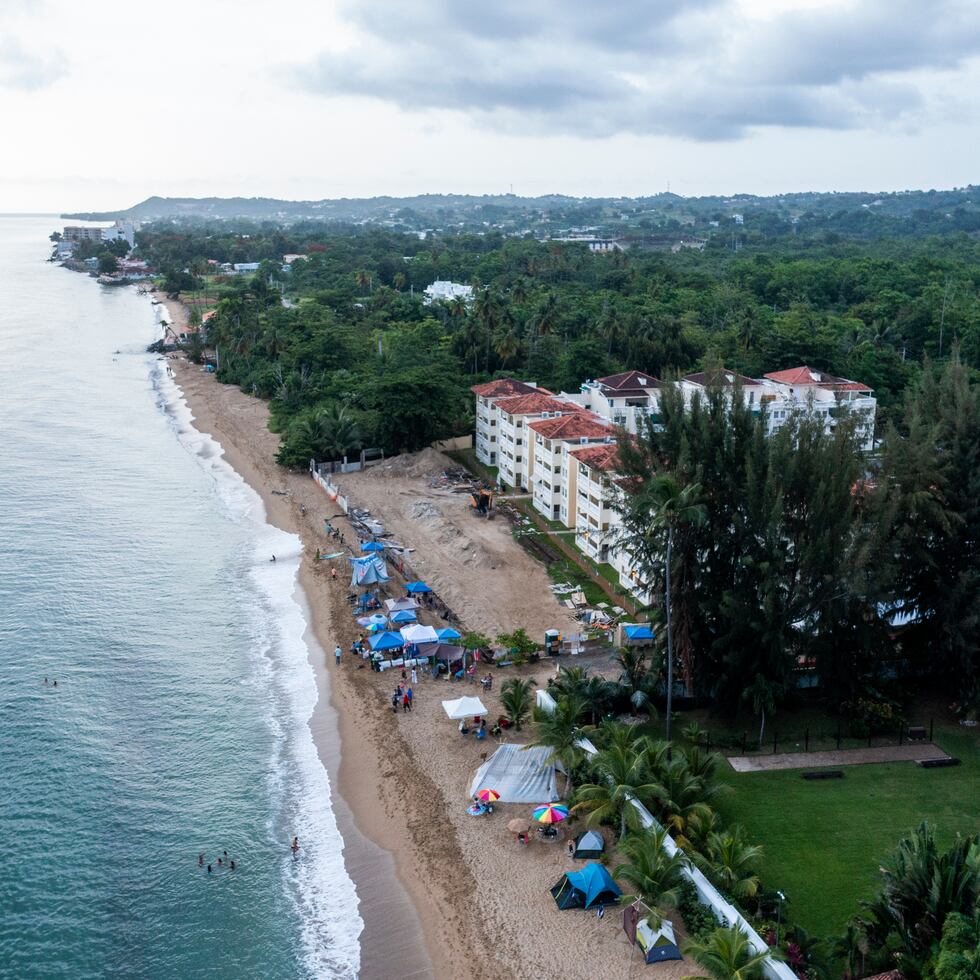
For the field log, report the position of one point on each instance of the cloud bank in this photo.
(700, 69)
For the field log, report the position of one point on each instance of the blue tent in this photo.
(372, 546)
(403, 616)
(386, 641)
(447, 634)
(365, 600)
(368, 570)
(417, 587)
(585, 889)
(641, 632)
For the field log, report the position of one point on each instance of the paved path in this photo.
(845, 757)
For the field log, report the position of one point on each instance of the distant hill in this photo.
(867, 214)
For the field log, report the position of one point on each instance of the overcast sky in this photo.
(103, 104)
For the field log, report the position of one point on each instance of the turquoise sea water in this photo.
(134, 571)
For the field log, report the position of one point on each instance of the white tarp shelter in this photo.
(465, 708)
(417, 633)
(394, 605)
(519, 775)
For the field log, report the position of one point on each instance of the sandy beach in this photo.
(442, 893)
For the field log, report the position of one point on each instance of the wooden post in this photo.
(806, 741)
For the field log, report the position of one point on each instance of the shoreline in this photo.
(386, 903)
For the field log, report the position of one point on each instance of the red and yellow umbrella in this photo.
(488, 796)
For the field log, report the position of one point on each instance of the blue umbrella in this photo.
(372, 546)
(417, 587)
(404, 616)
(386, 641)
(448, 634)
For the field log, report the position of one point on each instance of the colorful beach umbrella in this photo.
(417, 587)
(372, 546)
(552, 813)
(447, 634)
(487, 795)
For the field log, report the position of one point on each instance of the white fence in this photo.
(330, 490)
(707, 893)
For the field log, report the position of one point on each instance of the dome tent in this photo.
(586, 889)
(589, 844)
(657, 944)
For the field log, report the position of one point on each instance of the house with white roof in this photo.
(444, 291)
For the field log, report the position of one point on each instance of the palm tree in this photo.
(560, 731)
(570, 682)
(364, 279)
(621, 774)
(516, 697)
(654, 875)
(330, 432)
(399, 281)
(732, 863)
(684, 802)
(666, 506)
(508, 344)
(761, 693)
(725, 954)
(598, 695)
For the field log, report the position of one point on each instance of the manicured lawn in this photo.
(825, 840)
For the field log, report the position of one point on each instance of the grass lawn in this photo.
(825, 840)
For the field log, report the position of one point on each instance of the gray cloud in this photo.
(692, 68)
(22, 69)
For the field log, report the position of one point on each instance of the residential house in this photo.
(444, 291)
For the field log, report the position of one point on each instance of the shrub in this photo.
(699, 920)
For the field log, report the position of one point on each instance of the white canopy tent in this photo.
(465, 708)
(394, 605)
(417, 633)
(518, 774)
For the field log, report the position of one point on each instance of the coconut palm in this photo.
(685, 798)
(570, 682)
(732, 862)
(620, 774)
(654, 875)
(560, 731)
(516, 696)
(598, 695)
(726, 954)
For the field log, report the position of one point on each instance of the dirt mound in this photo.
(424, 510)
(428, 462)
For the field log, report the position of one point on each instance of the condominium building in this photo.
(622, 399)
(487, 442)
(550, 439)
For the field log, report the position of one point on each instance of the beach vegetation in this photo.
(654, 876)
(726, 954)
(517, 699)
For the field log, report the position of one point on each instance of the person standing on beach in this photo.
(333, 574)
(336, 654)
(415, 677)
(410, 694)
(406, 702)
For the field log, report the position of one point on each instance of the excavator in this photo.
(481, 501)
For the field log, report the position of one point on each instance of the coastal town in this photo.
(495, 615)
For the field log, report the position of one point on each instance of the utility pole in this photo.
(942, 317)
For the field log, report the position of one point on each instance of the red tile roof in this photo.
(629, 381)
(604, 457)
(720, 377)
(505, 387)
(579, 425)
(804, 375)
(536, 403)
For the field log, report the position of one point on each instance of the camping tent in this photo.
(418, 633)
(657, 944)
(465, 708)
(415, 587)
(586, 889)
(386, 641)
(519, 774)
(368, 570)
(589, 844)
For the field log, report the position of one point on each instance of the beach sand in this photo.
(467, 900)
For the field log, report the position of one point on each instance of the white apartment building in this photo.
(515, 457)
(621, 399)
(444, 291)
(487, 441)
(551, 439)
(121, 231)
(804, 389)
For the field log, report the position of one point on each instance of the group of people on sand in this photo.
(224, 863)
(403, 695)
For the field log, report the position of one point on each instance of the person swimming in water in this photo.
(200, 860)
(294, 847)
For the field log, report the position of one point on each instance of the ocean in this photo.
(135, 572)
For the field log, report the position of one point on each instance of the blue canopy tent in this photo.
(415, 587)
(368, 570)
(586, 889)
(386, 641)
(365, 600)
(448, 634)
(404, 616)
(372, 546)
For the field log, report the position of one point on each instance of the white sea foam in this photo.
(317, 883)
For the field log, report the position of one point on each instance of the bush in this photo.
(867, 716)
(699, 920)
